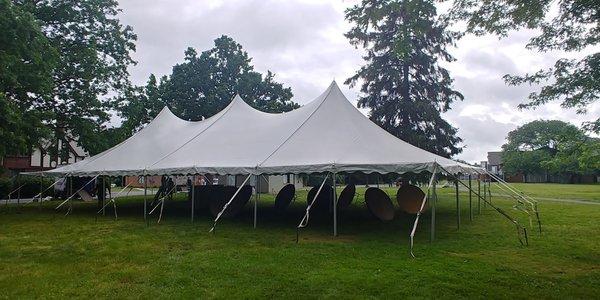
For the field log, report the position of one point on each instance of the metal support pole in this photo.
(470, 200)
(457, 206)
(41, 190)
(433, 205)
(103, 185)
(484, 194)
(146, 199)
(490, 189)
(479, 193)
(334, 205)
(256, 198)
(19, 190)
(193, 196)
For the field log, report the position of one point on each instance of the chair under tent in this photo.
(326, 136)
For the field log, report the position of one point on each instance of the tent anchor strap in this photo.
(414, 229)
(304, 221)
(72, 195)
(228, 202)
(499, 210)
(113, 199)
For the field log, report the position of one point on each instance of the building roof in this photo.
(495, 158)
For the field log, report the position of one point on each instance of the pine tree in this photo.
(402, 82)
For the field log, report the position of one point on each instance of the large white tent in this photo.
(326, 135)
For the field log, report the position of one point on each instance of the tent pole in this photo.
(193, 195)
(433, 205)
(334, 204)
(256, 199)
(41, 188)
(457, 205)
(19, 191)
(470, 200)
(490, 189)
(146, 199)
(479, 193)
(103, 186)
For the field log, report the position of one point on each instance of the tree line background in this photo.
(64, 73)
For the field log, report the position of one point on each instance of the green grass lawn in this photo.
(43, 254)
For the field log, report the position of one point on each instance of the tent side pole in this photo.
(146, 199)
(256, 197)
(470, 200)
(193, 187)
(479, 193)
(433, 205)
(334, 204)
(212, 230)
(457, 205)
(41, 186)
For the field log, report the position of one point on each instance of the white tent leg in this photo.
(229, 202)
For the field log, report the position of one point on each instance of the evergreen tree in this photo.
(402, 82)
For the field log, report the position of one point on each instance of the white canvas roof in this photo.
(327, 134)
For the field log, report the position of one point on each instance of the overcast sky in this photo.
(303, 43)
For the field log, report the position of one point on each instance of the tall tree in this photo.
(402, 82)
(574, 27)
(93, 55)
(203, 85)
(26, 60)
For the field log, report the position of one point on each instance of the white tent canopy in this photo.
(327, 134)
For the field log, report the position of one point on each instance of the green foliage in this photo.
(549, 146)
(26, 61)
(30, 186)
(402, 82)
(93, 55)
(203, 85)
(575, 27)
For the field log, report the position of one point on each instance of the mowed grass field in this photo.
(43, 254)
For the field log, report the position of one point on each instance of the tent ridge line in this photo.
(297, 129)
